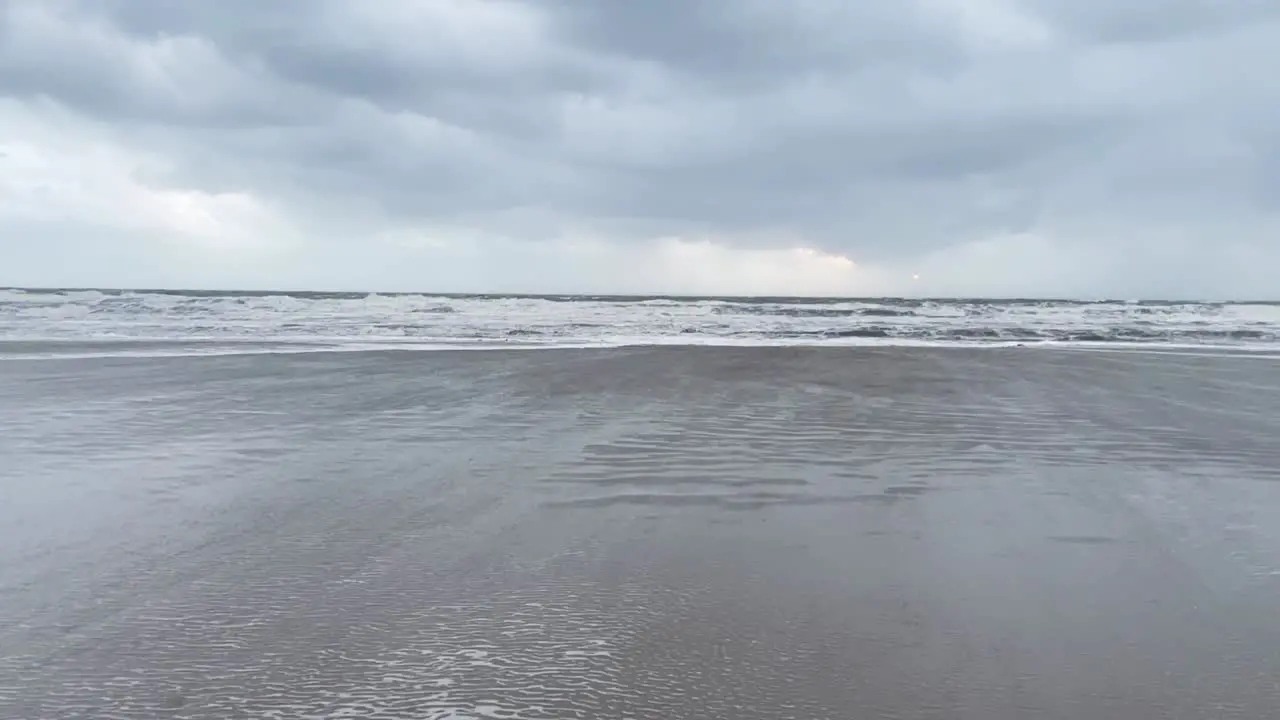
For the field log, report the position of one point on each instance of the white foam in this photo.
(231, 324)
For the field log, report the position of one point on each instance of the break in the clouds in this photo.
(1119, 148)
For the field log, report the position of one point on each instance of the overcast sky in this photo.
(1118, 148)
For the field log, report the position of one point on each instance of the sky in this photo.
(1079, 148)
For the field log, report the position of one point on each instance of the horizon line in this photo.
(631, 296)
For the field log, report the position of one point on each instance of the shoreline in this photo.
(82, 349)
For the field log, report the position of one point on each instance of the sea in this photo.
(62, 322)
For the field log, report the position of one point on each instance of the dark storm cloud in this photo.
(1145, 22)
(879, 128)
(754, 42)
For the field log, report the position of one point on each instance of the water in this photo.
(659, 532)
(97, 322)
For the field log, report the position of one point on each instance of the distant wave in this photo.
(739, 308)
(307, 320)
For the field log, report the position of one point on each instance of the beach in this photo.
(647, 532)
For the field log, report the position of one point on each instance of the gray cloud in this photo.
(888, 131)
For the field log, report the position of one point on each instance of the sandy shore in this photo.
(646, 533)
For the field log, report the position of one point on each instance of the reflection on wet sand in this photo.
(664, 532)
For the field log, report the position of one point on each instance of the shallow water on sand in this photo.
(641, 533)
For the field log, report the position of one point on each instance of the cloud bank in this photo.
(1092, 148)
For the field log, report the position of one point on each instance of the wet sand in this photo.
(645, 533)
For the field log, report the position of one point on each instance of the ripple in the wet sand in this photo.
(530, 653)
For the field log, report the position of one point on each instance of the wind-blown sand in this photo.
(643, 533)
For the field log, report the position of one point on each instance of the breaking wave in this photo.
(36, 320)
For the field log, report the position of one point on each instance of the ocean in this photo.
(260, 506)
(149, 322)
